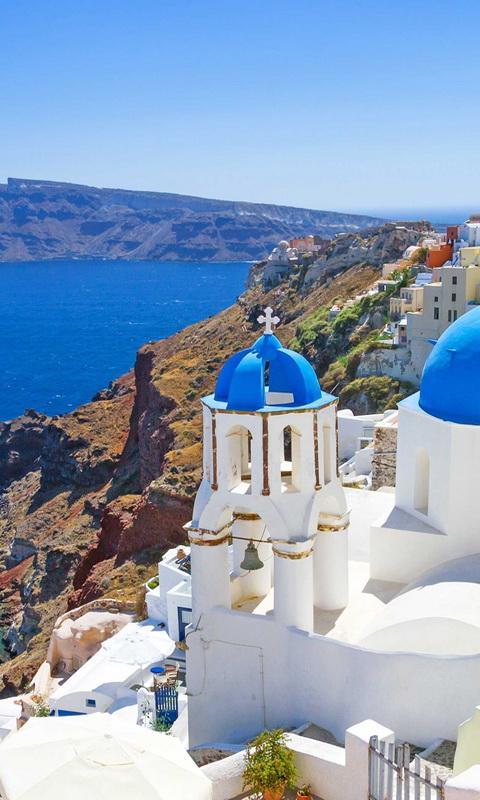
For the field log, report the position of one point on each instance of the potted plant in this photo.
(305, 792)
(269, 766)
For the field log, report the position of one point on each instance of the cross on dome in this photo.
(267, 318)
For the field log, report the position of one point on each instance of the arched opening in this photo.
(252, 564)
(291, 463)
(239, 458)
(421, 489)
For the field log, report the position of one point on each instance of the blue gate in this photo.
(166, 703)
(184, 619)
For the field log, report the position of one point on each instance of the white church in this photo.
(315, 603)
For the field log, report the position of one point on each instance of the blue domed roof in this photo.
(242, 382)
(450, 385)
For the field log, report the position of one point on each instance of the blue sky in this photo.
(347, 105)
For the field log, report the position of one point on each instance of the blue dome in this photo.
(292, 381)
(450, 385)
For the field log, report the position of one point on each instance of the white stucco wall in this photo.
(351, 428)
(411, 540)
(283, 677)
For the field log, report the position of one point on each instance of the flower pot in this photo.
(302, 796)
(273, 794)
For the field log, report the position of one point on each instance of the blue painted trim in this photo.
(62, 713)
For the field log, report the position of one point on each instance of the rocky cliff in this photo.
(89, 500)
(45, 219)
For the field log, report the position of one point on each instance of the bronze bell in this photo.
(251, 560)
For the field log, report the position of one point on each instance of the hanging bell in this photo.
(251, 560)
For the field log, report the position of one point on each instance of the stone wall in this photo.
(394, 362)
(384, 456)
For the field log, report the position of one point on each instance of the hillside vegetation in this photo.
(90, 500)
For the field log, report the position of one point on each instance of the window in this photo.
(455, 315)
(449, 316)
(436, 299)
(454, 297)
(454, 280)
(90, 703)
(435, 313)
(291, 459)
(422, 481)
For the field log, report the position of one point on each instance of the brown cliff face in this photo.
(89, 501)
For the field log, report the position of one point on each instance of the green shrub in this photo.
(40, 706)
(160, 725)
(380, 391)
(269, 763)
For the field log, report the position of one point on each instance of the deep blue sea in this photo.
(67, 328)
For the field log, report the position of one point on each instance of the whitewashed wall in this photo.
(284, 677)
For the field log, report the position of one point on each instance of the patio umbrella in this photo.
(137, 644)
(96, 757)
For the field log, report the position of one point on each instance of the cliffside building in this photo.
(279, 262)
(444, 301)
(447, 289)
(308, 244)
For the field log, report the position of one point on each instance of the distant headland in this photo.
(42, 220)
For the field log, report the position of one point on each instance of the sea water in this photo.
(67, 328)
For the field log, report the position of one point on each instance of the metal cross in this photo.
(267, 318)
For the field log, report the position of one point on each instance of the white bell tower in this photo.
(269, 482)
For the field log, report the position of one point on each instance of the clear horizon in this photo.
(363, 109)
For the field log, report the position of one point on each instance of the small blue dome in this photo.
(450, 385)
(292, 381)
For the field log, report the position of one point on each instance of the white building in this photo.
(470, 231)
(169, 597)
(315, 620)
(437, 467)
(355, 445)
(280, 261)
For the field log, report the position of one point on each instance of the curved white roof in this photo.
(439, 613)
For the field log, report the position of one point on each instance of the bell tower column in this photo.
(330, 562)
(293, 582)
(210, 570)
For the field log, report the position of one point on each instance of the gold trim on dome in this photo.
(214, 484)
(318, 485)
(208, 531)
(266, 484)
(292, 556)
(332, 528)
(245, 516)
(208, 542)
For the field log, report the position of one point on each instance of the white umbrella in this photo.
(97, 757)
(139, 645)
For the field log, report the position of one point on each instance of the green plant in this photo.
(269, 763)
(305, 791)
(153, 583)
(160, 725)
(40, 706)
(420, 255)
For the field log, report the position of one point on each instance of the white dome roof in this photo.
(438, 614)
